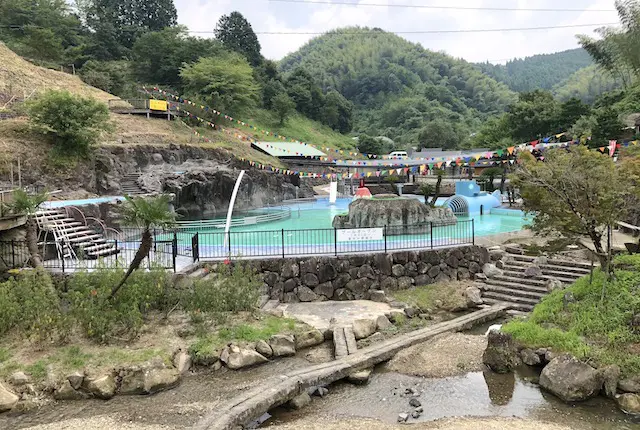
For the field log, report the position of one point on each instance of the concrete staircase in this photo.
(522, 292)
(78, 238)
(130, 185)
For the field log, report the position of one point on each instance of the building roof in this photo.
(288, 149)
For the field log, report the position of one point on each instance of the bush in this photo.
(30, 304)
(102, 317)
(73, 122)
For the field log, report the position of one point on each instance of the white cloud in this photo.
(273, 17)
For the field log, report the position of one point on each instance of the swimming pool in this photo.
(53, 204)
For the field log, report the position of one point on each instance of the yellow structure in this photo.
(158, 105)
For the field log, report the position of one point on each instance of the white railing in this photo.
(284, 213)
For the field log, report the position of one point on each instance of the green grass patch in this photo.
(445, 296)
(597, 326)
(5, 355)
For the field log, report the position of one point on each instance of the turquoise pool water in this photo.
(62, 203)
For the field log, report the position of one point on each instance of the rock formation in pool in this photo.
(392, 211)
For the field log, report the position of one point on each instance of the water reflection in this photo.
(500, 386)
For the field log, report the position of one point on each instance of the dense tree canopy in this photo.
(236, 34)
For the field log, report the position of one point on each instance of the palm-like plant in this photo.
(28, 204)
(147, 213)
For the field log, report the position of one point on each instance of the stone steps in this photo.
(552, 267)
(546, 272)
(554, 262)
(515, 292)
(511, 304)
(565, 278)
(516, 286)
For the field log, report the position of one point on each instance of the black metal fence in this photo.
(175, 249)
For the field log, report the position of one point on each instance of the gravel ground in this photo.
(447, 355)
(98, 423)
(448, 424)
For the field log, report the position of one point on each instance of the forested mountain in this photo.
(587, 84)
(542, 71)
(399, 89)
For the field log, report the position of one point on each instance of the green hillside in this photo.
(586, 84)
(399, 89)
(542, 71)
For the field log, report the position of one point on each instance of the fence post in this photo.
(174, 250)
(283, 256)
(431, 233)
(115, 243)
(384, 234)
(195, 247)
(63, 256)
(229, 243)
(13, 254)
(335, 241)
(473, 231)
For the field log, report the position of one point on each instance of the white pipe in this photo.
(232, 202)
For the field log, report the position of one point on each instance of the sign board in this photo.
(360, 234)
(160, 105)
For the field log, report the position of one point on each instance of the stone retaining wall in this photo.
(359, 277)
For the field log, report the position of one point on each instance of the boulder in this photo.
(156, 379)
(343, 294)
(377, 296)
(541, 260)
(237, 358)
(383, 323)
(463, 274)
(341, 281)
(306, 294)
(359, 287)
(366, 271)
(500, 264)
(403, 417)
(630, 385)
(570, 379)
(270, 278)
(501, 354)
(400, 257)
(475, 268)
(325, 290)
(610, 377)
(327, 272)
(533, 272)
(411, 269)
(7, 399)
(308, 339)
(490, 270)
(383, 263)
(310, 280)
(290, 285)
(398, 270)
(474, 296)
(389, 284)
(66, 392)
(360, 378)
(452, 262)
(18, 379)
(629, 403)
(182, 362)
(496, 254)
(102, 387)
(405, 283)
(529, 357)
(299, 401)
(290, 269)
(364, 328)
(263, 348)
(75, 379)
(552, 284)
(282, 345)
(396, 315)
(318, 391)
(309, 265)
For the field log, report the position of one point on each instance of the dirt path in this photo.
(447, 355)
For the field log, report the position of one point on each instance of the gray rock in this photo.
(359, 287)
(401, 257)
(282, 345)
(570, 379)
(553, 284)
(383, 263)
(300, 401)
(411, 269)
(66, 392)
(290, 285)
(102, 387)
(18, 379)
(496, 254)
(75, 379)
(463, 274)
(452, 262)
(318, 391)
(549, 356)
(341, 280)
(533, 272)
(360, 378)
(480, 277)
(325, 289)
(414, 403)
(423, 267)
(389, 284)
(366, 271)
(263, 348)
(364, 328)
(411, 312)
(290, 269)
(434, 271)
(377, 296)
(568, 298)
(309, 338)
(306, 294)
(475, 267)
(270, 278)
(398, 270)
(7, 399)
(630, 385)
(156, 380)
(490, 270)
(416, 414)
(610, 377)
(383, 323)
(529, 357)
(310, 280)
(442, 277)
(422, 280)
(500, 264)
(182, 362)
(396, 315)
(474, 296)
(629, 403)
(310, 265)
(405, 283)
(343, 294)
(541, 260)
(501, 354)
(156, 158)
(327, 272)
(403, 417)
(236, 358)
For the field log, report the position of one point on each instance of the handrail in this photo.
(66, 209)
(257, 219)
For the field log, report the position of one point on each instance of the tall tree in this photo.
(306, 93)
(534, 115)
(283, 106)
(607, 127)
(439, 133)
(146, 213)
(570, 112)
(337, 112)
(28, 204)
(225, 81)
(236, 34)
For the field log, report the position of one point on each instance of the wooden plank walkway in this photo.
(281, 388)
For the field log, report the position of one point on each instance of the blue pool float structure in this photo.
(469, 200)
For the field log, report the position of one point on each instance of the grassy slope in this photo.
(590, 328)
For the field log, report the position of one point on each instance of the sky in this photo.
(498, 47)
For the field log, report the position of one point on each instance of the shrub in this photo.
(73, 122)
(30, 304)
(102, 317)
